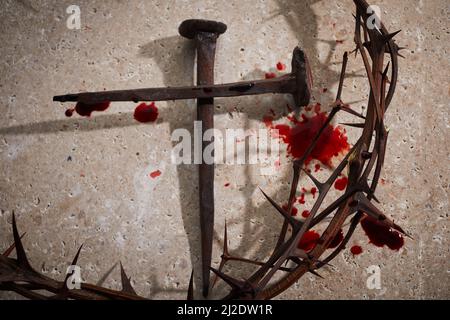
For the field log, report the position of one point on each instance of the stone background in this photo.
(102, 196)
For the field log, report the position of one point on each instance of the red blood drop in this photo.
(301, 200)
(281, 66)
(331, 143)
(308, 241)
(381, 234)
(270, 75)
(336, 240)
(305, 214)
(317, 167)
(341, 183)
(324, 90)
(155, 174)
(146, 112)
(69, 112)
(86, 109)
(294, 210)
(355, 250)
(313, 192)
(227, 184)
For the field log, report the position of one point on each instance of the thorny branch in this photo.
(364, 166)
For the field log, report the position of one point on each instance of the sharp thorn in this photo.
(11, 247)
(229, 280)
(75, 259)
(389, 36)
(285, 214)
(315, 273)
(225, 240)
(190, 294)
(126, 284)
(347, 108)
(318, 184)
(21, 255)
(386, 70)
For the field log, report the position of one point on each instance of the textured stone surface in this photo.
(76, 180)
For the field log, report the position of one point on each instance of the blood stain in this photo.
(313, 192)
(341, 184)
(270, 75)
(355, 250)
(339, 41)
(155, 174)
(281, 66)
(86, 109)
(226, 184)
(336, 240)
(308, 241)
(294, 210)
(381, 234)
(317, 168)
(305, 213)
(69, 112)
(298, 137)
(301, 200)
(146, 112)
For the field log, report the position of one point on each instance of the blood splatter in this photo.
(341, 184)
(355, 250)
(146, 112)
(155, 174)
(281, 66)
(340, 41)
(308, 241)
(317, 168)
(313, 192)
(331, 143)
(381, 234)
(305, 213)
(301, 200)
(86, 109)
(226, 184)
(270, 75)
(336, 240)
(324, 90)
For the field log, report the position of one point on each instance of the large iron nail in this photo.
(298, 83)
(205, 34)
